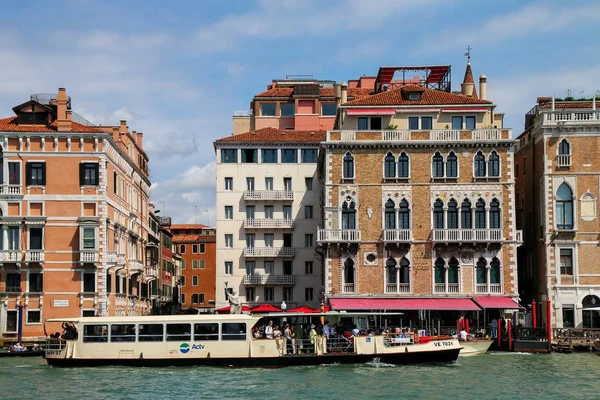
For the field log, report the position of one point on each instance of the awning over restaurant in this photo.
(504, 302)
(371, 111)
(443, 304)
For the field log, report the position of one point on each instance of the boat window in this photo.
(206, 331)
(122, 333)
(233, 331)
(95, 333)
(150, 333)
(179, 332)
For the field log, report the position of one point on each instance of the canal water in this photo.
(491, 376)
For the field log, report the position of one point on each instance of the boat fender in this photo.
(406, 349)
(208, 355)
(141, 355)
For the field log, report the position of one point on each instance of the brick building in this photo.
(557, 168)
(196, 244)
(419, 198)
(74, 212)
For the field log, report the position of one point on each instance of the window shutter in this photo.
(28, 174)
(97, 171)
(44, 174)
(81, 174)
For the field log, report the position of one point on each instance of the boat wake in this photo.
(506, 353)
(378, 364)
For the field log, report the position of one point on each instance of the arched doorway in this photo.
(591, 311)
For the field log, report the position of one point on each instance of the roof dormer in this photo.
(33, 112)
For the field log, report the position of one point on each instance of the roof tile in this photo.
(275, 135)
(10, 125)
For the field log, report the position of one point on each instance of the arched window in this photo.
(438, 214)
(479, 167)
(453, 271)
(403, 164)
(564, 207)
(391, 271)
(482, 271)
(564, 148)
(404, 270)
(451, 165)
(495, 271)
(390, 215)
(480, 214)
(348, 166)
(494, 214)
(389, 166)
(452, 214)
(349, 271)
(404, 215)
(437, 167)
(440, 270)
(348, 214)
(466, 215)
(494, 164)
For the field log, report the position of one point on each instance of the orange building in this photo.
(74, 218)
(196, 244)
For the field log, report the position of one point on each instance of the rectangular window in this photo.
(308, 183)
(36, 282)
(182, 249)
(269, 267)
(250, 267)
(228, 268)
(151, 332)
(202, 248)
(288, 293)
(34, 316)
(269, 183)
(308, 294)
(269, 156)
(289, 156)
(36, 173)
(376, 123)
(115, 183)
(524, 166)
(13, 282)
(89, 238)
(470, 122)
(309, 155)
(250, 212)
(229, 240)
(194, 264)
(363, 123)
(308, 267)
(88, 174)
(201, 298)
(229, 184)
(566, 261)
(95, 333)
(287, 240)
(182, 281)
(233, 331)
(308, 212)
(249, 183)
(288, 267)
(179, 332)
(268, 109)
(268, 240)
(202, 264)
(250, 296)
(249, 156)
(35, 238)
(228, 212)
(122, 333)
(182, 298)
(195, 298)
(457, 122)
(287, 212)
(268, 212)
(568, 314)
(269, 294)
(12, 319)
(14, 238)
(229, 156)
(89, 282)
(287, 183)
(208, 331)
(286, 109)
(328, 109)
(195, 277)
(14, 173)
(413, 123)
(194, 249)
(308, 240)
(426, 123)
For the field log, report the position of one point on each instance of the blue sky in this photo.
(178, 70)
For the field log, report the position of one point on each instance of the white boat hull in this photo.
(475, 347)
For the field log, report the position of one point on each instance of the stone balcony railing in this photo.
(438, 135)
(10, 189)
(338, 236)
(570, 117)
(563, 160)
(397, 235)
(268, 223)
(397, 287)
(446, 288)
(268, 279)
(467, 235)
(34, 256)
(269, 252)
(285, 195)
(135, 266)
(88, 256)
(488, 288)
(348, 287)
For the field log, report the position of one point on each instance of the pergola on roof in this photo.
(436, 77)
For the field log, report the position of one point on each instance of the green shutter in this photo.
(81, 174)
(97, 171)
(28, 174)
(44, 174)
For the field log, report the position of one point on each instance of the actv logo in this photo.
(184, 348)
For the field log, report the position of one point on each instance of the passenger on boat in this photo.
(277, 332)
(255, 333)
(269, 330)
(463, 335)
(355, 331)
(312, 335)
(288, 335)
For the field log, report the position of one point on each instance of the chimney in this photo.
(482, 87)
(422, 82)
(344, 91)
(337, 90)
(140, 140)
(115, 133)
(134, 134)
(123, 127)
(63, 119)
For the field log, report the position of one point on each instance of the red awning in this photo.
(371, 111)
(265, 308)
(504, 302)
(303, 309)
(464, 109)
(446, 304)
(226, 309)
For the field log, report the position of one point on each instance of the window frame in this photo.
(284, 154)
(262, 110)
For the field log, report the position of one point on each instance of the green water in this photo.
(491, 376)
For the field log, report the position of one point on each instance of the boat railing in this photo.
(55, 347)
(523, 333)
(579, 334)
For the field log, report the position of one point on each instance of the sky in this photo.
(178, 70)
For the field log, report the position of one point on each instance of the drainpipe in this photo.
(20, 327)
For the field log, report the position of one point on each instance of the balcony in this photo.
(10, 189)
(397, 235)
(397, 288)
(151, 271)
(267, 279)
(135, 266)
(338, 236)
(88, 256)
(269, 252)
(348, 287)
(269, 223)
(285, 195)
(439, 135)
(467, 235)
(10, 256)
(12, 289)
(570, 118)
(491, 288)
(563, 161)
(34, 256)
(446, 288)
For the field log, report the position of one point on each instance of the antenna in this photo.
(195, 214)
(468, 53)
(568, 92)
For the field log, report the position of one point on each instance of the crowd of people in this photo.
(21, 347)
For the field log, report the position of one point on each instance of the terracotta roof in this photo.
(429, 97)
(276, 136)
(10, 125)
(189, 226)
(570, 104)
(194, 238)
(325, 92)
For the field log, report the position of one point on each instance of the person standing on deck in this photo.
(287, 333)
(312, 335)
(269, 330)
(326, 332)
